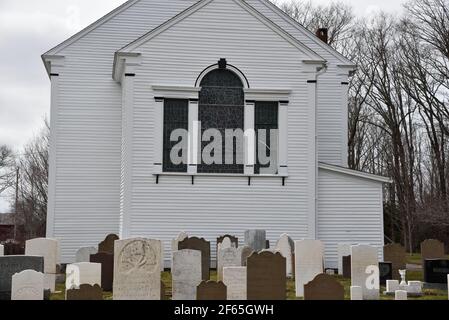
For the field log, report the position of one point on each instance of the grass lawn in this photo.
(166, 279)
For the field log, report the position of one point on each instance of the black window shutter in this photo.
(266, 117)
(176, 116)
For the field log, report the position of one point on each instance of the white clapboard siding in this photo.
(331, 109)
(218, 205)
(349, 211)
(89, 131)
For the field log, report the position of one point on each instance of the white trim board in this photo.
(354, 173)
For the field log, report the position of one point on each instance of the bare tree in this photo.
(6, 168)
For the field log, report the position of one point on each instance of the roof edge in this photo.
(354, 173)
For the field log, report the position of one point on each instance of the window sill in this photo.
(186, 174)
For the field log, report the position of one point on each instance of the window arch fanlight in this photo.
(222, 64)
(222, 107)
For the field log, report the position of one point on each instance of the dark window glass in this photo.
(221, 107)
(266, 118)
(176, 116)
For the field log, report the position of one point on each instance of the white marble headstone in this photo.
(235, 280)
(2, 250)
(343, 250)
(83, 254)
(228, 257)
(137, 269)
(47, 248)
(27, 285)
(186, 274)
(285, 246)
(309, 260)
(174, 244)
(256, 239)
(365, 270)
(400, 295)
(392, 285)
(82, 273)
(356, 293)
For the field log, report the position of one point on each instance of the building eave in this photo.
(354, 173)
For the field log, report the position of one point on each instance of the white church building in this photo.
(120, 86)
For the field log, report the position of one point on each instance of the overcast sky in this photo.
(29, 28)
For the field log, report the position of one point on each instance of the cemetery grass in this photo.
(346, 283)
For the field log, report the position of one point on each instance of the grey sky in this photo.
(28, 28)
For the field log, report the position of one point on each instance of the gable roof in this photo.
(312, 55)
(354, 173)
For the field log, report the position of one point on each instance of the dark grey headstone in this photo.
(9, 265)
(385, 272)
(436, 271)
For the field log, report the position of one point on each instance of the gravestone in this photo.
(324, 287)
(267, 244)
(343, 250)
(385, 272)
(211, 290)
(82, 273)
(234, 240)
(86, 292)
(137, 269)
(436, 271)
(10, 265)
(107, 268)
(163, 291)
(235, 280)
(2, 250)
(347, 267)
(13, 249)
(285, 246)
(175, 244)
(47, 248)
(245, 252)
(392, 285)
(83, 254)
(309, 256)
(266, 276)
(107, 245)
(227, 257)
(202, 245)
(432, 249)
(356, 293)
(395, 253)
(186, 274)
(256, 239)
(365, 270)
(400, 295)
(27, 285)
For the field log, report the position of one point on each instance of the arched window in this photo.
(221, 109)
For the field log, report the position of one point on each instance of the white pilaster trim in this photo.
(250, 137)
(55, 68)
(344, 82)
(158, 134)
(194, 138)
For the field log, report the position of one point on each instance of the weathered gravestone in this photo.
(186, 274)
(245, 252)
(266, 276)
(13, 249)
(175, 244)
(137, 269)
(395, 253)
(211, 290)
(228, 257)
(10, 265)
(82, 273)
(286, 246)
(356, 293)
(343, 250)
(267, 244)
(235, 280)
(202, 245)
(385, 272)
(436, 271)
(49, 249)
(347, 267)
(432, 249)
(400, 295)
(2, 250)
(324, 287)
(107, 268)
(85, 292)
(107, 245)
(365, 270)
(234, 240)
(256, 239)
(83, 254)
(27, 285)
(309, 256)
